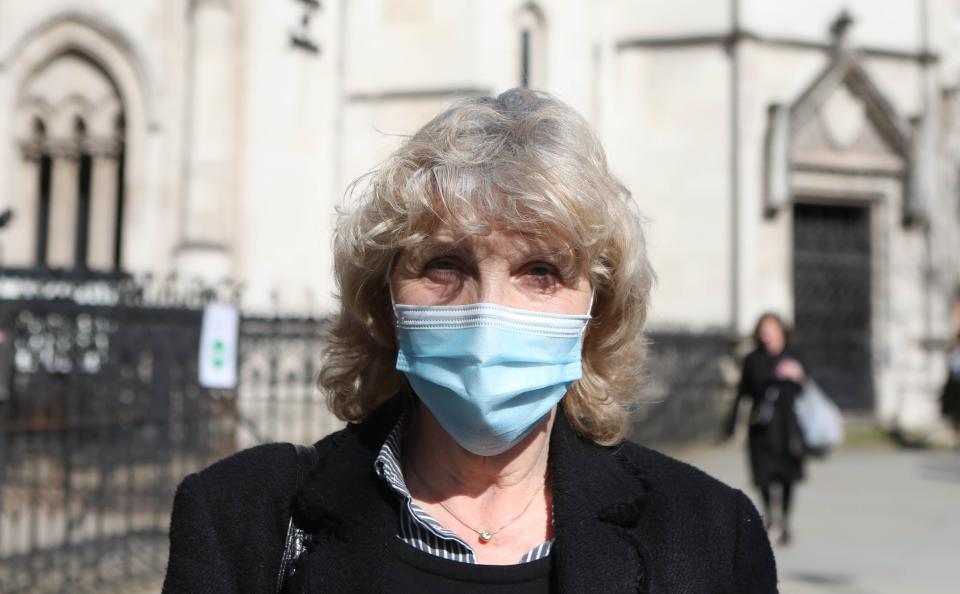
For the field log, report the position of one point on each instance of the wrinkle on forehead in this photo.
(519, 246)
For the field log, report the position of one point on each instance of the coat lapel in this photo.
(598, 502)
(349, 514)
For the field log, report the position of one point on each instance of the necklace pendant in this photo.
(485, 536)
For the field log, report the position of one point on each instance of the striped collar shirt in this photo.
(418, 528)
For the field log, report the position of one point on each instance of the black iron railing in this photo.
(688, 388)
(101, 416)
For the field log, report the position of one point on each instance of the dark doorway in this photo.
(831, 284)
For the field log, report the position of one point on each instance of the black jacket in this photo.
(626, 519)
(775, 439)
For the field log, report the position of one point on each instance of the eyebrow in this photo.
(563, 259)
(431, 247)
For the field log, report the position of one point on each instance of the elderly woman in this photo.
(494, 286)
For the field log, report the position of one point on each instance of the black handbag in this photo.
(763, 411)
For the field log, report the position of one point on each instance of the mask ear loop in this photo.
(410, 400)
(593, 295)
(393, 301)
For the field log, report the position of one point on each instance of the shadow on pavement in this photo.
(823, 579)
(942, 468)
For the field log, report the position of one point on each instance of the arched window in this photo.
(532, 46)
(68, 209)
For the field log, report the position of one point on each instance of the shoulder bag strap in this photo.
(307, 457)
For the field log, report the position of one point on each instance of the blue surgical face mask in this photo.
(488, 373)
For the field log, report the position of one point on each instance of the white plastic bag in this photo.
(820, 419)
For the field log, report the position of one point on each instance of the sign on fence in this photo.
(218, 346)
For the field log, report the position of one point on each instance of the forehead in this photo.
(499, 240)
(770, 323)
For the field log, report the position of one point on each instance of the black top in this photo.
(775, 440)
(417, 571)
(626, 519)
(757, 375)
(950, 396)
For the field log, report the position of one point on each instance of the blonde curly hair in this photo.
(525, 162)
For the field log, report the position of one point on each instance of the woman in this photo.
(950, 396)
(494, 284)
(772, 378)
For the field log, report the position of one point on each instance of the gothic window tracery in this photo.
(68, 207)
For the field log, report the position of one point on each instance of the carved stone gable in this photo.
(841, 124)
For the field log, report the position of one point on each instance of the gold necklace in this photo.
(484, 535)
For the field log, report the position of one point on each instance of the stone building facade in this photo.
(796, 157)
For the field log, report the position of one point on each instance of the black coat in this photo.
(775, 440)
(626, 519)
(950, 396)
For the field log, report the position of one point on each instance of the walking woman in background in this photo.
(950, 398)
(772, 378)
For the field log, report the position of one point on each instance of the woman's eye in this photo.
(542, 277)
(441, 266)
(542, 270)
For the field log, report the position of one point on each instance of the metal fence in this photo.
(689, 387)
(101, 416)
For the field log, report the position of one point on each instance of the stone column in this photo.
(208, 212)
(103, 212)
(62, 231)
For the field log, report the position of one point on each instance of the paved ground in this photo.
(145, 586)
(871, 520)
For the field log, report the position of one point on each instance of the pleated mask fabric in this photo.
(488, 373)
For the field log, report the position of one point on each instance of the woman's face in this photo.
(771, 335)
(503, 268)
